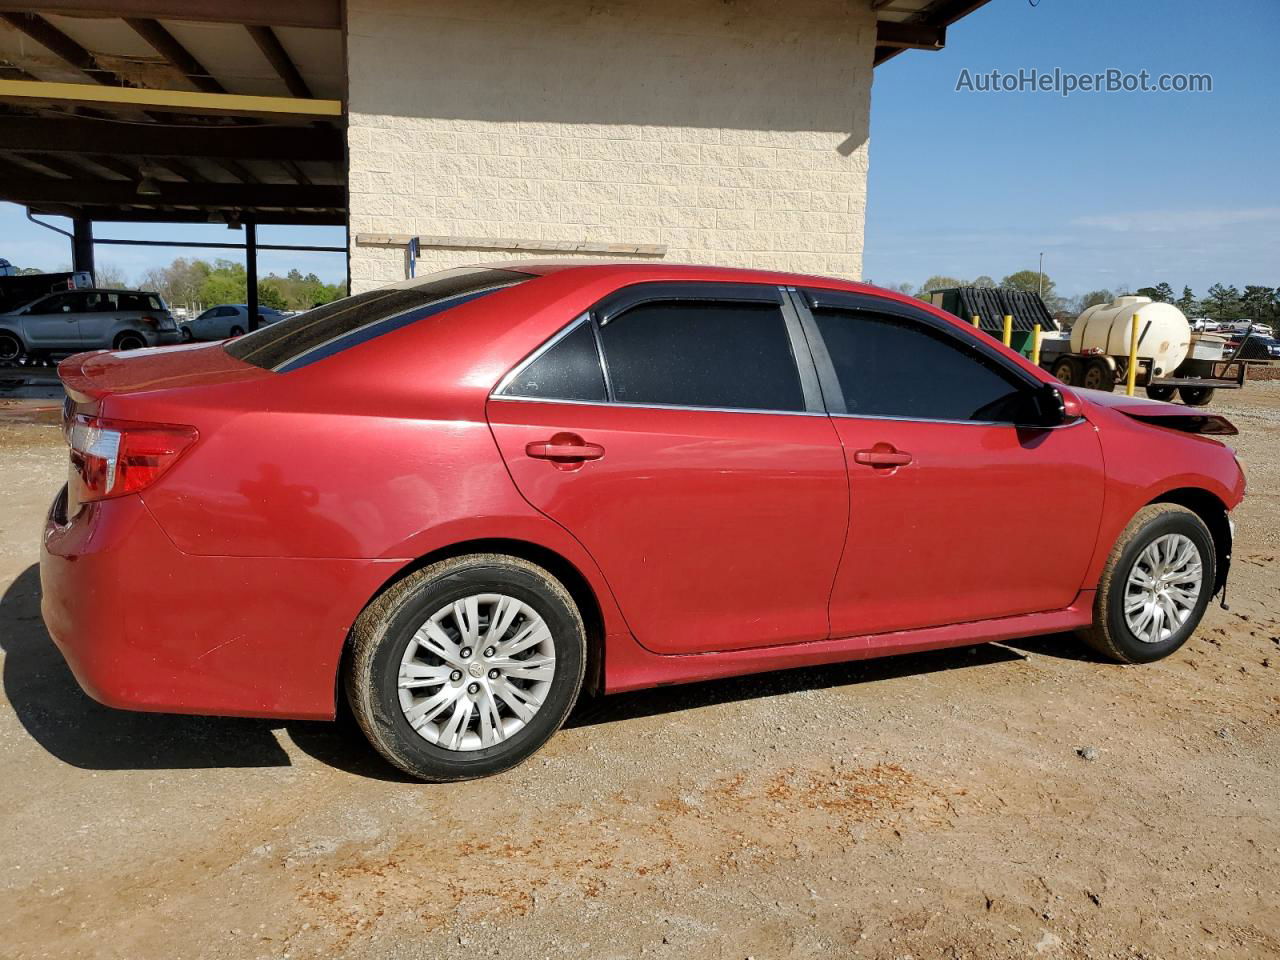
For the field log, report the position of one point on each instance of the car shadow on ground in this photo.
(79, 731)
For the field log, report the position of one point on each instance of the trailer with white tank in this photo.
(1094, 352)
(1171, 356)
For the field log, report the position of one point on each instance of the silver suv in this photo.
(73, 320)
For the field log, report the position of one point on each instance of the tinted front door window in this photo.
(702, 354)
(892, 367)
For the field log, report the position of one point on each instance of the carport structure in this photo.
(378, 115)
(221, 111)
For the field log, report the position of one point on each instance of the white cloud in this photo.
(1160, 221)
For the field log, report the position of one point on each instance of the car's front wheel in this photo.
(1155, 587)
(466, 667)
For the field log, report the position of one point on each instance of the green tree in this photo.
(940, 283)
(1029, 281)
(1187, 303)
(1222, 302)
(180, 283)
(1095, 297)
(271, 294)
(1260, 302)
(1161, 293)
(226, 283)
(984, 281)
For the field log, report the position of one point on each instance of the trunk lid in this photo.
(93, 376)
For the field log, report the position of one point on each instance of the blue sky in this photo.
(1117, 189)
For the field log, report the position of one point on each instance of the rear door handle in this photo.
(564, 450)
(882, 456)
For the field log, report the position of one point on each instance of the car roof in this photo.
(640, 271)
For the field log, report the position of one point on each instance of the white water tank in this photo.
(1164, 335)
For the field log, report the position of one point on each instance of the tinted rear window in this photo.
(307, 337)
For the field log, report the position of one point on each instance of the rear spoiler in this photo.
(80, 388)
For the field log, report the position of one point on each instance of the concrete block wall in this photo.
(732, 131)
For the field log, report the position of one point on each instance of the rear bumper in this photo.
(164, 338)
(144, 626)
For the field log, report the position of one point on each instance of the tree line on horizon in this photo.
(197, 284)
(1222, 302)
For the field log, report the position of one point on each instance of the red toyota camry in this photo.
(459, 500)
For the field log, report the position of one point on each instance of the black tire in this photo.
(1098, 375)
(1069, 370)
(11, 348)
(130, 341)
(237, 331)
(1161, 393)
(1110, 634)
(186, 334)
(386, 628)
(1196, 396)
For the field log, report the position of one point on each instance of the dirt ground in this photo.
(926, 806)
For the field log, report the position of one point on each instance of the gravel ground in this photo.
(1013, 800)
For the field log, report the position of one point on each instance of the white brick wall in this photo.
(733, 131)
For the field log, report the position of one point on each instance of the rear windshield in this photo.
(307, 337)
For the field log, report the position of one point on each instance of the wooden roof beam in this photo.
(317, 14)
(183, 101)
(35, 190)
(167, 45)
(88, 135)
(276, 55)
(60, 45)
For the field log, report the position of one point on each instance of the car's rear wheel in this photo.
(465, 668)
(1155, 587)
(237, 331)
(1196, 396)
(130, 341)
(1098, 375)
(10, 348)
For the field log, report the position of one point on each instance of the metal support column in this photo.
(82, 245)
(251, 271)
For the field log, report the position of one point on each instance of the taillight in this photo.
(110, 458)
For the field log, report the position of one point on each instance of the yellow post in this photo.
(1132, 379)
(976, 321)
(1035, 344)
(1008, 330)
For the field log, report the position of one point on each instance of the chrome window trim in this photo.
(960, 423)
(661, 406)
(799, 350)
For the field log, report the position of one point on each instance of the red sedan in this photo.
(460, 500)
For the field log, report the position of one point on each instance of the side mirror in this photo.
(1058, 405)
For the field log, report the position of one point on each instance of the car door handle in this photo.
(564, 450)
(882, 455)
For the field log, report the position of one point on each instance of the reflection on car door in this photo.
(696, 466)
(956, 513)
(54, 322)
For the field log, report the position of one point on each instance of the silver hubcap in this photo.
(1163, 587)
(476, 672)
